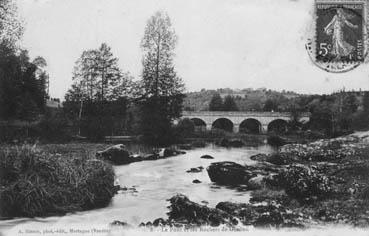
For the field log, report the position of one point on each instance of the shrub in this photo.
(322, 150)
(34, 183)
(185, 128)
(92, 127)
(276, 140)
(304, 182)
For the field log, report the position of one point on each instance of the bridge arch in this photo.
(200, 125)
(250, 125)
(278, 126)
(223, 124)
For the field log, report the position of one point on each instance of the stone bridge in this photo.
(249, 122)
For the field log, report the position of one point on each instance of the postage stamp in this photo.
(340, 42)
(339, 31)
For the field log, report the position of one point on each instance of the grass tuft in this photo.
(36, 183)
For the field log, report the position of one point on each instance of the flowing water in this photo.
(155, 182)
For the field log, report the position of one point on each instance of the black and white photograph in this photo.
(184, 117)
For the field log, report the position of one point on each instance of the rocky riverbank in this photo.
(326, 181)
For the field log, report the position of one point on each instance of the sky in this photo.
(221, 43)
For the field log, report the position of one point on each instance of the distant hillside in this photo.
(246, 99)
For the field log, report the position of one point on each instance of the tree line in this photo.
(333, 114)
(217, 103)
(104, 99)
(23, 82)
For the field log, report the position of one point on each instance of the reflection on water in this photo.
(155, 182)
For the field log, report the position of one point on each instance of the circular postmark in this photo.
(338, 41)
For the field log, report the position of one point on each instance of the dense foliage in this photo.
(97, 101)
(34, 183)
(334, 114)
(22, 92)
(23, 83)
(218, 104)
(304, 182)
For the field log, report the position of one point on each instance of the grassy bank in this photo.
(52, 180)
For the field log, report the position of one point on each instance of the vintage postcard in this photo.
(184, 117)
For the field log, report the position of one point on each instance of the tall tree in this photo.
(229, 104)
(97, 74)
(84, 77)
(162, 89)
(98, 90)
(107, 70)
(216, 103)
(11, 28)
(20, 86)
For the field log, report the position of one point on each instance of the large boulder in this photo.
(169, 152)
(117, 155)
(229, 173)
(260, 157)
(184, 210)
(270, 215)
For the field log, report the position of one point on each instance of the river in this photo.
(155, 182)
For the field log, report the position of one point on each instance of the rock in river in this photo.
(117, 155)
(120, 223)
(169, 152)
(195, 170)
(229, 173)
(206, 157)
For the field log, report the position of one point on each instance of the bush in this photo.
(54, 127)
(304, 182)
(276, 140)
(184, 129)
(92, 128)
(34, 183)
